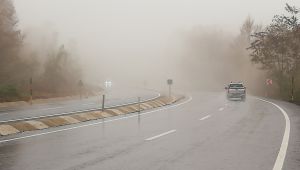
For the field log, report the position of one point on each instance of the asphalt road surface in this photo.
(205, 131)
(113, 98)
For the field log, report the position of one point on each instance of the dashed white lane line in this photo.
(221, 109)
(161, 135)
(96, 123)
(285, 141)
(205, 117)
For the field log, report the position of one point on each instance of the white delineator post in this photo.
(170, 82)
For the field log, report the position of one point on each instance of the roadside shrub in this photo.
(8, 93)
(297, 97)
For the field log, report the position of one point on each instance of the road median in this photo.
(20, 126)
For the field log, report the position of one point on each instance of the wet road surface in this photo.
(203, 132)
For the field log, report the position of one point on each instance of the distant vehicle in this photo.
(236, 91)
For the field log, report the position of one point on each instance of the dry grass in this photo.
(105, 114)
(116, 111)
(70, 119)
(88, 116)
(81, 119)
(111, 112)
(124, 110)
(54, 121)
(37, 124)
(7, 130)
(23, 126)
(97, 114)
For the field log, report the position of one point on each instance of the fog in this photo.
(143, 42)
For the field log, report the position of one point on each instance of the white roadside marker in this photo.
(205, 117)
(160, 135)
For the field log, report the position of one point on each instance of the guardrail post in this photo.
(139, 111)
(30, 90)
(103, 102)
(139, 104)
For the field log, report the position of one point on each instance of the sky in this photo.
(132, 35)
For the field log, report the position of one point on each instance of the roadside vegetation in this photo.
(209, 58)
(256, 54)
(54, 71)
(276, 49)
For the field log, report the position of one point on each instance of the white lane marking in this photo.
(96, 123)
(51, 108)
(88, 104)
(285, 140)
(205, 117)
(79, 111)
(160, 135)
(221, 109)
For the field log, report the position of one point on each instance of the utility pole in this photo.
(30, 90)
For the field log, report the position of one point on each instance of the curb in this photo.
(10, 128)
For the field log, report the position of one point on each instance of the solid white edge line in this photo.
(205, 117)
(285, 140)
(96, 123)
(160, 135)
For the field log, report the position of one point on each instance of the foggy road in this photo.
(204, 131)
(113, 98)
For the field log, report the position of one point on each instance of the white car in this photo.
(236, 90)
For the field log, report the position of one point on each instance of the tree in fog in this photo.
(10, 41)
(219, 57)
(61, 73)
(20, 61)
(277, 49)
(237, 56)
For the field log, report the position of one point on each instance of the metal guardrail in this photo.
(79, 111)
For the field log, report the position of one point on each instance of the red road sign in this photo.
(269, 82)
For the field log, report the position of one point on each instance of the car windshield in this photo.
(234, 86)
(150, 84)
